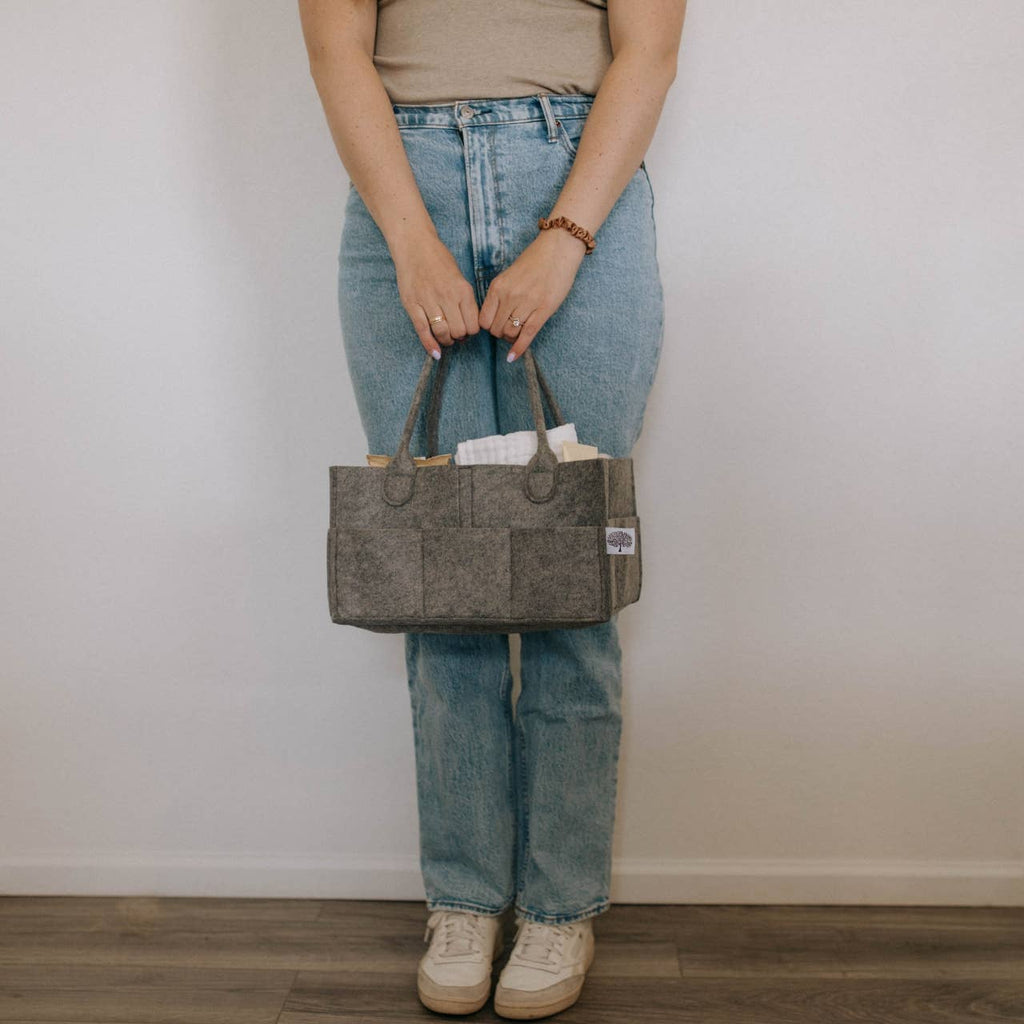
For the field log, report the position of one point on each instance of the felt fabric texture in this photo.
(465, 549)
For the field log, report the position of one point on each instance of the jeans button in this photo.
(468, 111)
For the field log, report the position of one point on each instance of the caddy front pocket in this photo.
(466, 573)
(558, 572)
(377, 572)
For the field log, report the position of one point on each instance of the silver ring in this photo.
(516, 322)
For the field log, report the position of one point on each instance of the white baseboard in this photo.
(634, 880)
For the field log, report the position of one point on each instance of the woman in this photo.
(461, 124)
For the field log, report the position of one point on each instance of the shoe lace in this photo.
(460, 931)
(539, 942)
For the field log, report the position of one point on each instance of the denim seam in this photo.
(474, 220)
(482, 122)
(499, 209)
(451, 127)
(565, 141)
(536, 915)
(524, 822)
(470, 905)
(504, 693)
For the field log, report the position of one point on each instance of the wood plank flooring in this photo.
(141, 960)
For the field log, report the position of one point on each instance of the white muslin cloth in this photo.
(517, 448)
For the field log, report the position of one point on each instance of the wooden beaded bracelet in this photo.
(563, 222)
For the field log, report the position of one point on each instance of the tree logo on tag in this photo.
(619, 540)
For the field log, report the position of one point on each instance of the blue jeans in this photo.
(516, 804)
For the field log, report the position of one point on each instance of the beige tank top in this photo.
(439, 51)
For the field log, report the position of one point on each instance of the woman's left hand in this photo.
(531, 288)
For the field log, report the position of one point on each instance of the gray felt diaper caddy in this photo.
(488, 548)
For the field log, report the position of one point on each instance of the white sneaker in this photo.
(454, 975)
(545, 970)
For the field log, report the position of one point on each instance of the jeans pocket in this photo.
(570, 129)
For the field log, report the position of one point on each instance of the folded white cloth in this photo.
(517, 448)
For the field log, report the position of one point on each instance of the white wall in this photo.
(824, 674)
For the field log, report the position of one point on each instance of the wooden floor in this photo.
(221, 961)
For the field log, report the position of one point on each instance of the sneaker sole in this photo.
(457, 999)
(450, 999)
(520, 1009)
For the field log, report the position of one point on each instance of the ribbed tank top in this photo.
(439, 51)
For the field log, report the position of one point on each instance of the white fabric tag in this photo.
(620, 540)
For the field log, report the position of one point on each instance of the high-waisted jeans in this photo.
(516, 803)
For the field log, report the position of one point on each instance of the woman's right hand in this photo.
(430, 284)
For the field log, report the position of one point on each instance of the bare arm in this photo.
(339, 37)
(645, 37)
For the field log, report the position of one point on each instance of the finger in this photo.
(455, 320)
(489, 311)
(527, 333)
(520, 310)
(502, 327)
(439, 328)
(470, 314)
(512, 330)
(421, 325)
